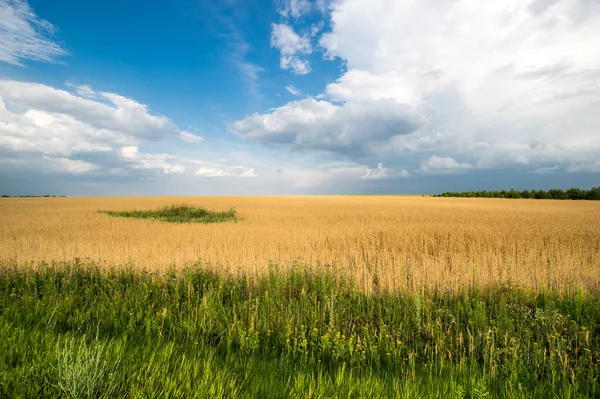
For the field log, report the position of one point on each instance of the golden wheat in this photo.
(383, 242)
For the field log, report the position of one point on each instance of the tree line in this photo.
(556, 194)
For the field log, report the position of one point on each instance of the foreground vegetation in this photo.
(75, 330)
(179, 214)
(557, 194)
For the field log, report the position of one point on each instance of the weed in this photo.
(179, 214)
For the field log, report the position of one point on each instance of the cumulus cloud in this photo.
(443, 165)
(348, 129)
(291, 46)
(381, 172)
(500, 72)
(296, 65)
(25, 36)
(123, 115)
(165, 163)
(58, 131)
(190, 137)
(47, 130)
(503, 83)
(162, 162)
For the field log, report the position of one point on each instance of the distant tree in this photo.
(513, 194)
(557, 194)
(594, 194)
(541, 194)
(576, 194)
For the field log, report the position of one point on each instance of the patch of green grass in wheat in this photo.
(179, 214)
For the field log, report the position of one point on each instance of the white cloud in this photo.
(250, 73)
(360, 86)
(288, 42)
(125, 116)
(546, 170)
(299, 8)
(587, 167)
(50, 165)
(219, 170)
(248, 173)
(349, 129)
(291, 46)
(500, 83)
(443, 165)
(24, 35)
(130, 152)
(499, 72)
(316, 28)
(294, 8)
(83, 90)
(321, 175)
(165, 163)
(378, 173)
(68, 165)
(53, 134)
(296, 65)
(381, 172)
(238, 51)
(59, 131)
(190, 137)
(293, 90)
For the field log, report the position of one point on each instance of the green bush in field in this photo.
(179, 214)
(198, 334)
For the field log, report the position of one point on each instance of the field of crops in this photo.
(392, 243)
(323, 296)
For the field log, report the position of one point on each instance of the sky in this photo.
(282, 97)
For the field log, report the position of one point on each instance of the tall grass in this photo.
(179, 214)
(195, 333)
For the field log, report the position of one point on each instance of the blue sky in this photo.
(297, 96)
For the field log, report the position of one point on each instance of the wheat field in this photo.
(395, 243)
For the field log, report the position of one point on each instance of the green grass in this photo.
(74, 331)
(179, 214)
